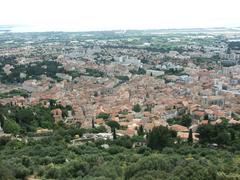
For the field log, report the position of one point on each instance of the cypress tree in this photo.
(190, 137)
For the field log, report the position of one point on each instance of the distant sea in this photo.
(17, 28)
(22, 28)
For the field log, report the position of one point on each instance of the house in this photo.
(218, 121)
(99, 121)
(199, 114)
(169, 114)
(72, 120)
(210, 114)
(171, 78)
(139, 143)
(18, 101)
(194, 127)
(57, 114)
(184, 78)
(232, 121)
(98, 136)
(184, 136)
(178, 128)
(44, 131)
(213, 100)
(204, 122)
(7, 69)
(149, 126)
(34, 86)
(45, 103)
(155, 73)
(64, 76)
(194, 107)
(128, 132)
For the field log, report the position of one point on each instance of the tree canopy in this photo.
(136, 108)
(161, 137)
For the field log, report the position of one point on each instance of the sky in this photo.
(82, 15)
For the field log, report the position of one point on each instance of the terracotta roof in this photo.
(219, 113)
(184, 135)
(232, 121)
(56, 111)
(124, 123)
(208, 111)
(185, 103)
(149, 126)
(204, 122)
(99, 121)
(219, 121)
(199, 113)
(215, 107)
(179, 128)
(128, 132)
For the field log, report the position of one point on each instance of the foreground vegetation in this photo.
(53, 158)
(52, 155)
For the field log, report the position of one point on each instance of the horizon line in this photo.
(9, 27)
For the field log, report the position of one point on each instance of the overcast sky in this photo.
(83, 15)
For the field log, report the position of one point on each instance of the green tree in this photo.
(190, 137)
(114, 133)
(123, 78)
(206, 132)
(94, 72)
(161, 137)
(223, 138)
(140, 130)
(10, 126)
(220, 134)
(186, 120)
(113, 125)
(136, 108)
(52, 102)
(103, 115)
(6, 173)
(93, 123)
(140, 71)
(124, 141)
(25, 117)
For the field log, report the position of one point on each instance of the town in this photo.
(120, 83)
(191, 74)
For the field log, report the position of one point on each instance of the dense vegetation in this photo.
(53, 158)
(140, 71)
(94, 72)
(174, 72)
(31, 71)
(235, 45)
(164, 157)
(136, 108)
(161, 137)
(123, 78)
(103, 115)
(185, 120)
(22, 120)
(14, 92)
(16, 119)
(224, 135)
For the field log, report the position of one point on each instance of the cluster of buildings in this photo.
(207, 95)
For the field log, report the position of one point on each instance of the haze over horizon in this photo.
(73, 15)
